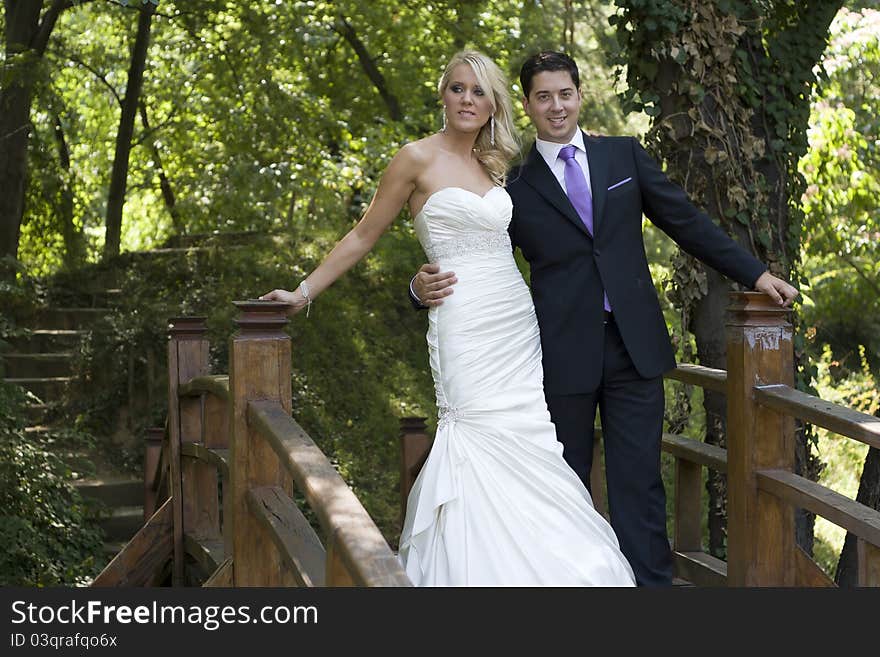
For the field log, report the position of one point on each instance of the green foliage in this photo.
(727, 85)
(842, 229)
(840, 245)
(20, 294)
(44, 527)
(359, 360)
(265, 117)
(262, 116)
(854, 386)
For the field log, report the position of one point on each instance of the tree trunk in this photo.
(74, 248)
(164, 184)
(869, 495)
(119, 174)
(708, 329)
(26, 39)
(721, 145)
(345, 29)
(22, 25)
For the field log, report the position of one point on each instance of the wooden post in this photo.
(259, 368)
(415, 444)
(215, 434)
(187, 358)
(688, 508)
(152, 455)
(868, 557)
(760, 527)
(598, 485)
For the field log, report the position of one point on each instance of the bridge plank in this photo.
(839, 419)
(861, 520)
(299, 545)
(142, 559)
(808, 573)
(222, 577)
(207, 553)
(700, 569)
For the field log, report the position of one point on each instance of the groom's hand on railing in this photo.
(778, 290)
(429, 286)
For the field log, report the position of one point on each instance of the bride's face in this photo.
(468, 105)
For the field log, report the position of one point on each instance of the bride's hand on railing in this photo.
(294, 300)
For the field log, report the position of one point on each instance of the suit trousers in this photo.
(631, 409)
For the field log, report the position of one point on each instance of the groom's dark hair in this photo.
(547, 60)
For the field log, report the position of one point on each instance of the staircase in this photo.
(41, 362)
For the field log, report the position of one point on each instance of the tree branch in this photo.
(344, 29)
(76, 60)
(872, 283)
(47, 24)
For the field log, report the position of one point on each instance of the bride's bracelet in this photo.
(307, 295)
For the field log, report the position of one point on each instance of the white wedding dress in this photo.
(495, 503)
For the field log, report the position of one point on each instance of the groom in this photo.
(578, 203)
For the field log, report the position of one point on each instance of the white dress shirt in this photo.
(549, 150)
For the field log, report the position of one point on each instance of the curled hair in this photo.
(494, 158)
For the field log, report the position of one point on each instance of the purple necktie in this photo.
(579, 193)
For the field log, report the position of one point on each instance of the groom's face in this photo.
(553, 105)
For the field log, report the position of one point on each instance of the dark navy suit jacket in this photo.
(569, 268)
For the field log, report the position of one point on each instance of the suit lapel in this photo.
(537, 174)
(597, 159)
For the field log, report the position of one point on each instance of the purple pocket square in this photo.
(618, 184)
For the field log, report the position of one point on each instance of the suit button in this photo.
(597, 253)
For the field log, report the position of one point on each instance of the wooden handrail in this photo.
(694, 451)
(705, 377)
(360, 543)
(267, 540)
(800, 492)
(834, 417)
(214, 384)
(217, 457)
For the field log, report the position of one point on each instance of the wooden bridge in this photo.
(222, 478)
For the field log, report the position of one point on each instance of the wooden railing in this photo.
(763, 491)
(223, 481)
(219, 490)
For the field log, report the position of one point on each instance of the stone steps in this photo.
(114, 491)
(38, 412)
(46, 341)
(38, 364)
(68, 318)
(40, 361)
(120, 523)
(45, 388)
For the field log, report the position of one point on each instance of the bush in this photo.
(44, 529)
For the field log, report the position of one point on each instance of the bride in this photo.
(495, 503)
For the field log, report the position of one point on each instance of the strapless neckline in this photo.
(454, 187)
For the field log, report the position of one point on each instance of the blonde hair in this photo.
(494, 158)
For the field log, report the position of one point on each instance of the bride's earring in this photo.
(444, 119)
(492, 130)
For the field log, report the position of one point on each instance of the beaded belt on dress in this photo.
(484, 241)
